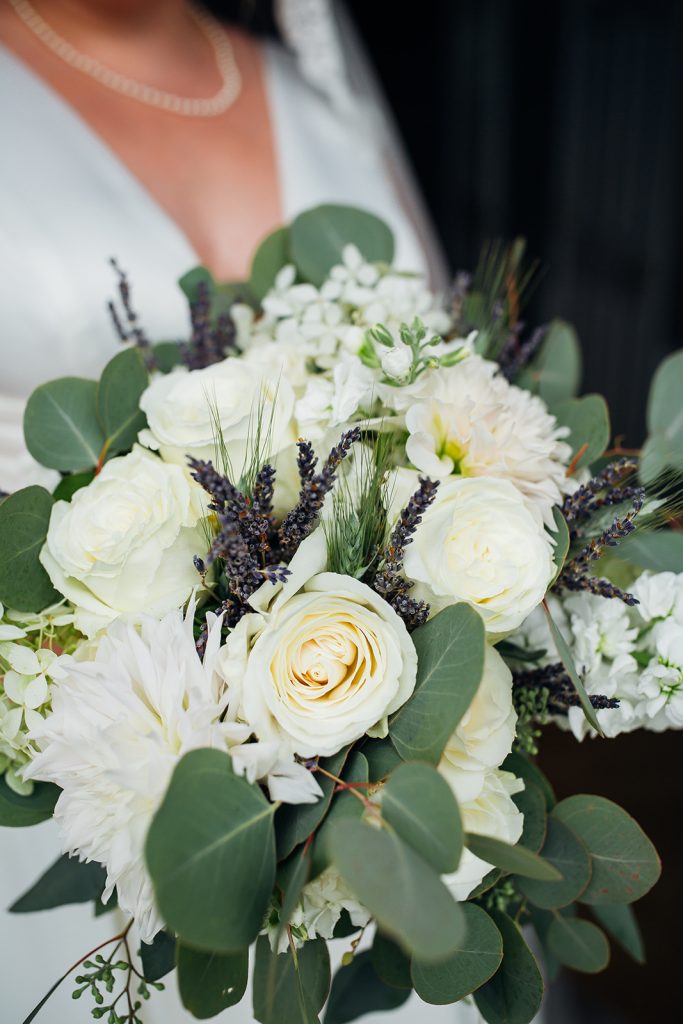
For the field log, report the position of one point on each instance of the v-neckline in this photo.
(117, 170)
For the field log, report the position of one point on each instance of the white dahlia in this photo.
(470, 420)
(118, 727)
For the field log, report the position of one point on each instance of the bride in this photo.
(152, 132)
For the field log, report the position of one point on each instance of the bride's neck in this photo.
(123, 20)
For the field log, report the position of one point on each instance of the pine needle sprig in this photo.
(315, 487)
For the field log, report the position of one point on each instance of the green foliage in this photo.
(619, 920)
(72, 482)
(21, 811)
(270, 257)
(570, 857)
(24, 520)
(658, 551)
(378, 865)
(100, 978)
(560, 538)
(516, 860)
(450, 650)
(567, 660)
(524, 768)
(318, 237)
(61, 427)
(358, 989)
(118, 400)
(589, 424)
(167, 355)
(514, 993)
(390, 962)
(578, 944)
(345, 806)
(664, 447)
(68, 880)
(382, 758)
(625, 864)
(210, 982)
(419, 804)
(221, 295)
(211, 854)
(158, 956)
(295, 822)
(557, 367)
(289, 991)
(531, 803)
(468, 968)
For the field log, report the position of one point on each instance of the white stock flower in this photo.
(662, 681)
(490, 812)
(472, 421)
(481, 543)
(125, 542)
(486, 731)
(321, 660)
(323, 901)
(660, 595)
(185, 409)
(333, 402)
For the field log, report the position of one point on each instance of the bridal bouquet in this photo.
(277, 650)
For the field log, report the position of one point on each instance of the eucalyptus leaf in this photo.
(515, 992)
(294, 823)
(121, 385)
(270, 257)
(61, 426)
(531, 803)
(211, 982)
(318, 238)
(658, 551)
(524, 768)
(292, 876)
(68, 485)
(167, 355)
(382, 758)
(390, 962)
(158, 956)
(284, 994)
(450, 652)
(211, 854)
(625, 864)
(589, 426)
(357, 989)
(345, 805)
(657, 457)
(664, 409)
(578, 944)
(68, 880)
(419, 804)
(567, 660)
(468, 968)
(24, 521)
(568, 854)
(558, 364)
(22, 811)
(560, 538)
(619, 920)
(379, 867)
(516, 860)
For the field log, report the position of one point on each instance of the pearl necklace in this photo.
(130, 87)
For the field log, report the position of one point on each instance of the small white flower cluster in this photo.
(322, 902)
(30, 662)
(634, 654)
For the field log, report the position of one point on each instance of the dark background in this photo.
(561, 121)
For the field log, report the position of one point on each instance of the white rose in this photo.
(481, 543)
(185, 408)
(321, 660)
(486, 731)
(125, 543)
(492, 812)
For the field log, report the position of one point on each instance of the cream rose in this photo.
(479, 542)
(185, 408)
(322, 659)
(486, 731)
(125, 543)
(491, 812)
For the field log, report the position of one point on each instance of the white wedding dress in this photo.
(66, 205)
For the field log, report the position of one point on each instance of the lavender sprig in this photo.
(515, 354)
(607, 488)
(131, 331)
(209, 342)
(561, 694)
(315, 487)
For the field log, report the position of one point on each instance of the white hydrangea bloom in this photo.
(470, 420)
(120, 723)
